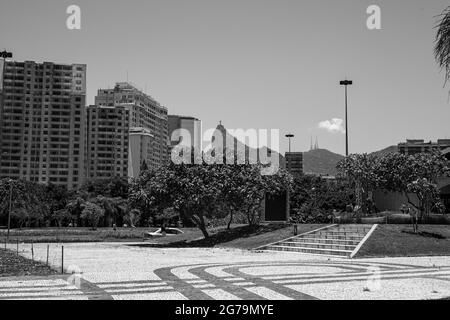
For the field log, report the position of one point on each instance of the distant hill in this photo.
(243, 151)
(321, 161)
(391, 149)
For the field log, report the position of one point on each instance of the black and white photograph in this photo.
(215, 157)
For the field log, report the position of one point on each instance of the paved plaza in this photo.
(123, 271)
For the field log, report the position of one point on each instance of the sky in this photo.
(261, 64)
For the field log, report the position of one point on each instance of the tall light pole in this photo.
(10, 206)
(346, 83)
(5, 55)
(289, 136)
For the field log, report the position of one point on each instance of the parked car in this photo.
(168, 232)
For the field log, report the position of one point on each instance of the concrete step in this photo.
(320, 240)
(335, 241)
(317, 245)
(339, 233)
(343, 229)
(349, 229)
(337, 252)
(335, 237)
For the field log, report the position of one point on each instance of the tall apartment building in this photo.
(413, 146)
(294, 162)
(148, 124)
(42, 118)
(140, 150)
(107, 136)
(192, 125)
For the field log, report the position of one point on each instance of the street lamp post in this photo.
(5, 55)
(346, 83)
(289, 136)
(10, 206)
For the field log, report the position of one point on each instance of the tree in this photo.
(360, 170)
(114, 208)
(75, 208)
(408, 174)
(197, 192)
(110, 187)
(144, 166)
(200, 192)
(237, 188)
(55, 196)
(133, 217)
(416, 174)
(60, 216)
(442, 42)
(313, 198)
(427, 193)
(92, 213)
(24, 200)
(20, 215)
(148, 195)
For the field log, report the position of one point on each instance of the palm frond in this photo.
(442, 42)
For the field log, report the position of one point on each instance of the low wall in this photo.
(391, 201)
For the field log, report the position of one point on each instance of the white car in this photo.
(169, 232)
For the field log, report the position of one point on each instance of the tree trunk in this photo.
(231, 219)
(359, 195)
(200, 222)
(409, 200)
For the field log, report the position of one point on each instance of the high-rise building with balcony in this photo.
(140, 150)
(42, 118)
(107, 136)
(146, 117)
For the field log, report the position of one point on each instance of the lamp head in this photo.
(346, 82)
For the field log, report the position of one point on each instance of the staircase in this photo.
(334, 240)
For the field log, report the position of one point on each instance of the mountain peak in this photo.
(321, 161)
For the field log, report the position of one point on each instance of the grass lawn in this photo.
(266, 234)
(240, 237)
(74, 235)
(66, 235)
(12, 264)
(400, 241)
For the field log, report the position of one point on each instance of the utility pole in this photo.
(288, 159)
(10, 206)
(289, 136)
(346, 83)
(5, 55)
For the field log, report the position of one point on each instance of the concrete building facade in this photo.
(413, 146)
(140, 150)
(294, 162)
(146, 115)
(192, 125)
(107, 136)
(42, 122)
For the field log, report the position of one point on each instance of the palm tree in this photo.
(442, 42)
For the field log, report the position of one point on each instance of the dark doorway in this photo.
(276, 207)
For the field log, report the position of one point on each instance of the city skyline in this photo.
(256, 65)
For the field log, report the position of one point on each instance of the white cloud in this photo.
(336, 125)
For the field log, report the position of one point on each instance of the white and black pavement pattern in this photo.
(247, 276)
(208, 282)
